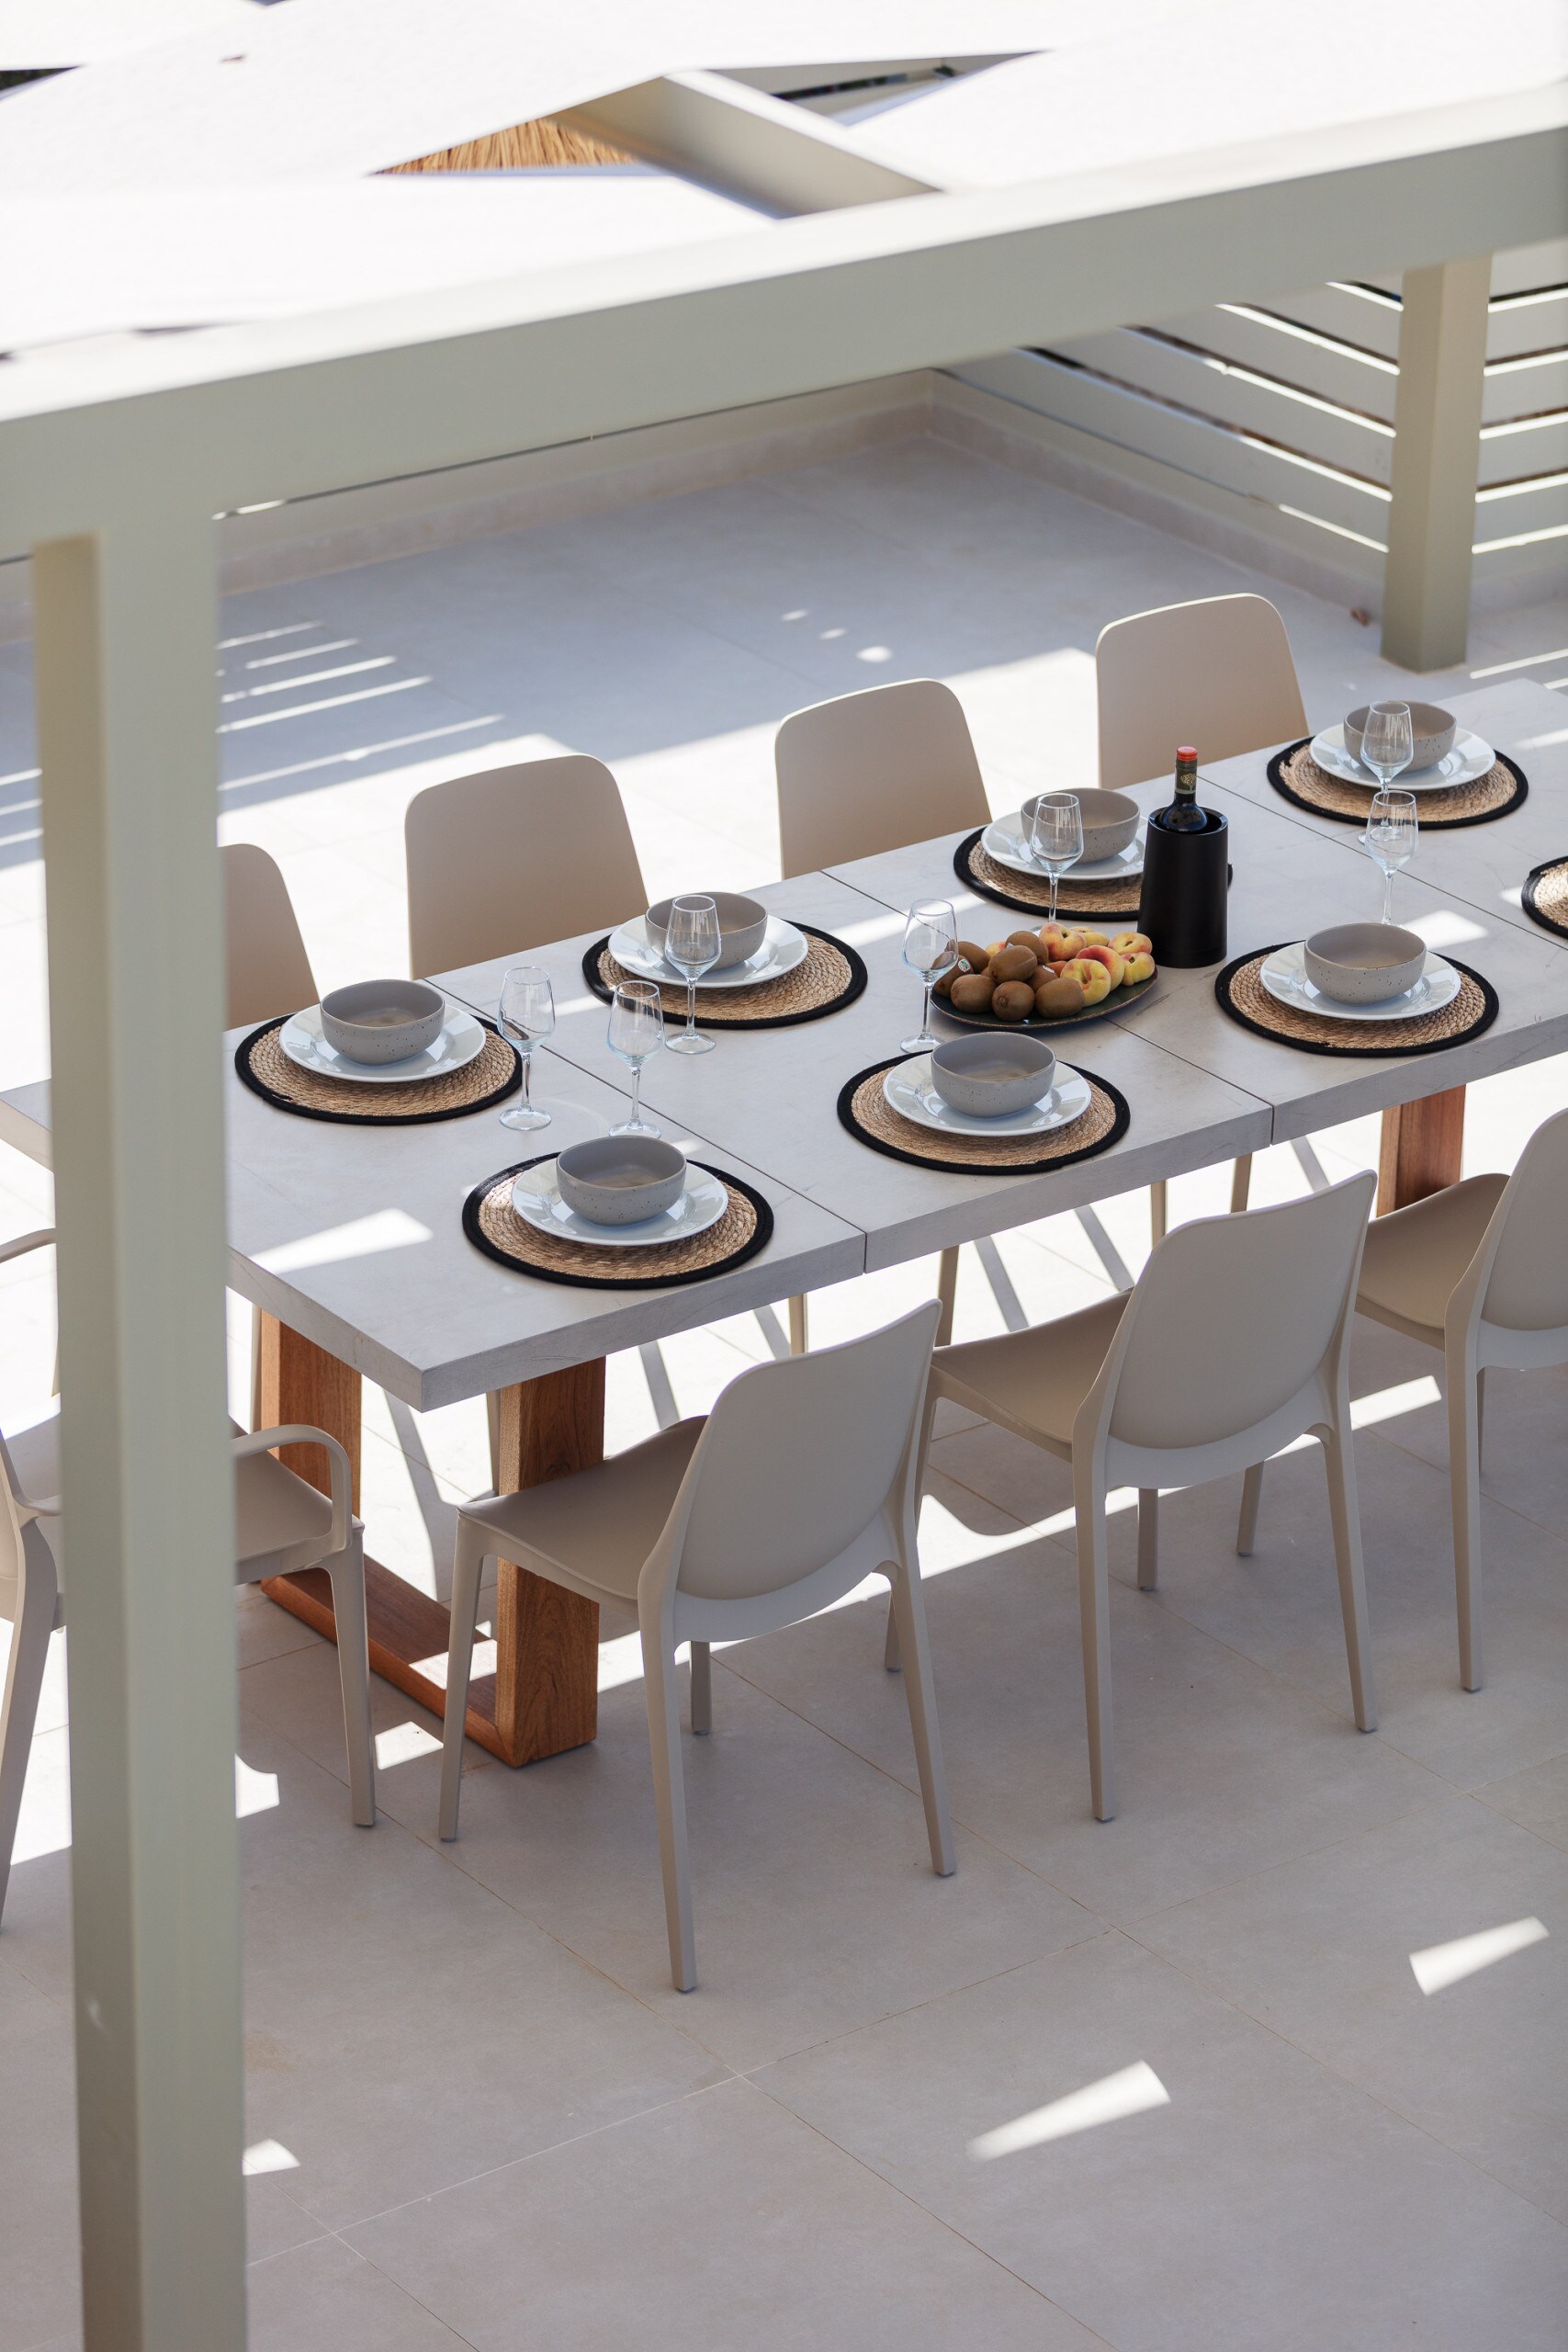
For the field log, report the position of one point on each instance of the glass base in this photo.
(635, 1127)
(527, 1119)
(691, 1042)
(924, 1044)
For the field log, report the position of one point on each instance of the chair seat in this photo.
(1415, 1257)
(598, 1526)
(1032, 1381)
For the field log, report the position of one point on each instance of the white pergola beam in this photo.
(742, 141)
(1437, 449)
(126, 621)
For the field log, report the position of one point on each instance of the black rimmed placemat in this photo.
(494, 1226)
(1296, 777)
(1545, 896)
(266, 1070)
(974, 866)
(865, 1110)
(1240, 992)
(832, 977)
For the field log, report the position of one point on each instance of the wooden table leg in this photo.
(543, 1694)
(1422, 1149)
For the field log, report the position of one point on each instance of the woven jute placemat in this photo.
(865, 1110)
(494, 1226)
(1296, 776)
(1028, 895)
(1545, 896)
(832, 977)
(1241, 993)
(266, 1070)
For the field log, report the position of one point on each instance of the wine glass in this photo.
(1388, 741)
(691, 944)
(1053, 823)
(636, 1031)
(930, 948)
(526, 1014)
(1391, 839)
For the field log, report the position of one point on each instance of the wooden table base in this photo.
(543, 1696)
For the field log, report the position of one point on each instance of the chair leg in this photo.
(947, 1295)
(1148, 1538)
(18, 1703)
(466, 1568)
(670, 1803)
(1464, 1483)
(1251, 1499)
(702, 1688)
(1094, 1621)
(908, 1611)
(345, 1572)
(799, 1326)
(1159, 1207)
(1480, 1419)
(1340, 1464)
(892, 1651)
(1241, 1184)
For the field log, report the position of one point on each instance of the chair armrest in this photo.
(300, 1433)
(41, 1239)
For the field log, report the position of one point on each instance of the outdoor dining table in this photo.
(349, 1239)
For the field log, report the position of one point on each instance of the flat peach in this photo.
(1133, 942)
(1109, 957)
(1136, 968)
(1091, 977)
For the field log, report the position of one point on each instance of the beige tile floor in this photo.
(503, 2129)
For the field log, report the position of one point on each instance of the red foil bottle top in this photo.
(1186, 751)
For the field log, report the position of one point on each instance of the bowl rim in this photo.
(974, 1039)
(435, 1001)
(1344, 964)
(627, 1144)
(658, 921)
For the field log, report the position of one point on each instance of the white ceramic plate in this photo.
(907, 1089)
(1469, 758)
(782, 949)
(536, 1199)
(1003, 840)
(1284, 976)
(461, 1040)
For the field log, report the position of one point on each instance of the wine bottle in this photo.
(1184, 816)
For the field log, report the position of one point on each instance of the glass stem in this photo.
(1052, 909)
(1388, 894)
(926, 1012)
(691, 1007)
(637, 1093)
(526, 1057)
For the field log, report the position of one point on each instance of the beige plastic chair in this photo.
(1234, 1340)
(269, 972)
(504, 862)
(1218, 674)
(875, 771)
(871, 771)
(1480, 1270)
(802, 1480)
(281, 1525)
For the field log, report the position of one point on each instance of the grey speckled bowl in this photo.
(1109, 820)
(620, 1180)
(987, 1077)
(742, 923)
(1364, 962)
(1432, 726)
(382, 1021)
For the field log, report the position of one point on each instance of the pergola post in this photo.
(1436, 448)
(124, 634)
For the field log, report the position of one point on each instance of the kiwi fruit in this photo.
(1030, 938)
(1055, 997)
(1015, 964)
(1014, 1001)
(975, 957)
(972, 991)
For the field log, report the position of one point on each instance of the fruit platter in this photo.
(1046, 978)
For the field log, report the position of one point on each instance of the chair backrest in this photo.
(269, 972)
(799, 1457)
(1217, 674)
(510, 860)
(1233, 1314)
(875, 771)
(1527, 1287)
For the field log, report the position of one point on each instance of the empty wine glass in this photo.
(636, 1032)
(691, 944)
(1053, 826)
(527, 1012)
(1388, 741)
(930, 948)
(1391, 839)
